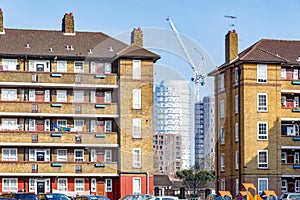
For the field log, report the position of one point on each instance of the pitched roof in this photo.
(270, 50)
(161, 180)
(81, 44)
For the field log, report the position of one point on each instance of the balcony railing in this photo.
(65, 167)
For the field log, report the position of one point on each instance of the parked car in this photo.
(137, 197)
(289, 196)
(91, 197)
(25, 196)
(164, 198)
(53, 196)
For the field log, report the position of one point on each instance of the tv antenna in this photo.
(231, 17)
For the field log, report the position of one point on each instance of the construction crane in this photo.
(198, 78)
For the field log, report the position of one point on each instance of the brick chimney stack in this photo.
(137, 37)
(231, 46)
(68, 24)
(1, 22)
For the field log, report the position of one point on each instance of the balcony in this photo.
(47, 167)
(57, 108)
(57, 78)
(63, 137)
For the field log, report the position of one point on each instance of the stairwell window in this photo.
(137, 158)
(236, 160)
(137, 99)
(236, 132)
(222, 135)
(222, 85)
(262, 73)
(222, 109)
(236, 105)
(262, 159)
(136, 69)
(222, 162)
(262, 102)
(137, 128)
(262, 185)
(262, 130)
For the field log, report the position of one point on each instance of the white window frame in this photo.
(222, 109)
(236, 105)
(79, 188)
(296, 102)
(262, 73)
(76, 127)
(262, 131)
(283, 101)
(222, 162)
(77, 158)
(108, 185)
(262, 106)
(108, 126)
(12, 154)
(62, 66)
(11, 186)
(32, 185)
(236, 75)
(295, 74)
(262, 165)
(62, 184)
(32, 124)
(108, 156)
(93, 96)
(236, 160)
(283, 73)
(9, 124)
(137, 158)
(236, 132)
(263, 184)
(61, 157)
(284, 185)
(76, 68)
(107, 97)
(78, 96)
(61, 95)
(222, 81)
(283, 157)
(222, 136)
(62, 120)
(136, 185)
(107, 68)
(137, 128)
(9, 94)
(9, 64)
(136, 99)
(136, 69)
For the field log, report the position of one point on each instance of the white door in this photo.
(93, 126)
(31, 94)
(47, 125)
(47, 95)
(31, 124)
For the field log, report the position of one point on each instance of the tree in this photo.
(195, 177)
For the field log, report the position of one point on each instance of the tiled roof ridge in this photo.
(56, 31)
(273, 54)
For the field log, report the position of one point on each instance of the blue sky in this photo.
(200, 20)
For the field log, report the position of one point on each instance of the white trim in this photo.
(13, 144)
(290, 175)
(290, 119)
(56, 115)
(290, 147)
(290, 91)
(53, 85)
(61, 174)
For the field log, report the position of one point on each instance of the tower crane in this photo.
(198, 78)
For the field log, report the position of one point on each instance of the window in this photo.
(39, 65)
(107, 97)
(108, 185)
(61, 123)
(9, 155)
(9, 184)
(296, 102)
(222, 112)
(236, 75)
(78, 67)
(283, 157)
(9, 124)
(136, 69)
(237, 186)
(222, 135)
(78, 155)
(263, 159)
(236, 104)
(262, 185)
(137, 128)
(78, 125)
(108, 126)
(262, 102)
(62, 184)
(79, 184)
(222, 162)
(9, 94)
(32, 185)
(222, 88)
(78, 96)
(61, 95)
(222, 184)
(284, 185)
(283, 73)
(108, 156)
(236, 160)
(296, 157)
(137, 158)
(283, 101)
(9, 64)
(137, 99)
(262, 129)
(62, 66)
(136, 185)
(297, 184)
(62, 155)
(107, 68)
(262, 73)
(236, 132)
